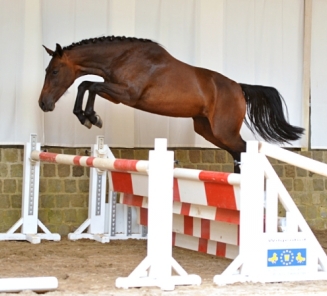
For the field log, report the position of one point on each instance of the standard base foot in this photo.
(165, 284)
(102, 238)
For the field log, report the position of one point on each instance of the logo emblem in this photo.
(286, 257)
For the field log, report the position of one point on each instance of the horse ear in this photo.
(59, 50)
(49, 51)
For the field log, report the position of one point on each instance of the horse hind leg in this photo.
(232, 143)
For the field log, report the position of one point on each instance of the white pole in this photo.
(252, 212)
(306, 71)
(160, 220)
(271, 207)
(36, 284)
(293, 158)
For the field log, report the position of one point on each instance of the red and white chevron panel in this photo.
(198, 227)
(207, 212)
(134, 200)
(217, 189)
(195, 243)
(205, 246)
(196, 187)
(206, 208)
(207, 229)
(187, 209)
(129, 183)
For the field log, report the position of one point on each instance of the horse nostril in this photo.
(42, 105)
(47, 104)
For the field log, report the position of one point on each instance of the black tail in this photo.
(265, 113)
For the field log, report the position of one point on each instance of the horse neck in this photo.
(92, 59)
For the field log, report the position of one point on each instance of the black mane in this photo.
(103, 39)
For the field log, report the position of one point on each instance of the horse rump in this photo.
(266, 114)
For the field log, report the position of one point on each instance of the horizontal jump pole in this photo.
(207, 176)
(293, 158)
(133, 165)
(95, 162)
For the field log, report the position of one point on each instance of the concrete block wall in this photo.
(64, 189)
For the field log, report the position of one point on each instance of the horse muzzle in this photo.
(46, 106)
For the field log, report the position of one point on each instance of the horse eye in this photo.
(54, 72)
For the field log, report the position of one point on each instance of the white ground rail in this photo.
(36, 284)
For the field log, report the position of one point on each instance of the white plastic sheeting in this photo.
(319, 75)
(250, 41)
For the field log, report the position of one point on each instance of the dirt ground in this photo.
(86, 267)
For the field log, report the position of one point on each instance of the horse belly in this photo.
(176, 96)
(174, 106)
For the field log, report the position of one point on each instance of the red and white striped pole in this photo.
(90, 161)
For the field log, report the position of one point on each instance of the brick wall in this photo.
(64, 189)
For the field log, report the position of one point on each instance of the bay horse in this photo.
(141, 74)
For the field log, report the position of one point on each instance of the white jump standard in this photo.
(266, 254)
(95, 222)
(156, 268)
(29, 221)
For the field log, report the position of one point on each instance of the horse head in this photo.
(60, 75)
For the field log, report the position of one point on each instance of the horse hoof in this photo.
(99, 121)
(88, 123)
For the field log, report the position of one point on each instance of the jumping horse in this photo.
(142, 74)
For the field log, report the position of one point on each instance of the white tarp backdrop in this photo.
(319, 75)
(250, 41)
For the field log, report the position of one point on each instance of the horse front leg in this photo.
(89, 112)
(78, 107)
(110, 91)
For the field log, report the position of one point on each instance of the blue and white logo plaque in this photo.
(286, 257)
